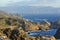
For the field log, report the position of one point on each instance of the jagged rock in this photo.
(30, 26)
(45, 25)
(58, 22)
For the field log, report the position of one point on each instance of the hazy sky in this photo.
(52, 3)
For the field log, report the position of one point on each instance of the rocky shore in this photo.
(15, 28)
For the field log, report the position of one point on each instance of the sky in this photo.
(52, 3)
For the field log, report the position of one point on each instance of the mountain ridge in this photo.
(31, 9)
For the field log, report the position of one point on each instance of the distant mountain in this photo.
(3, 13)
(15, 8)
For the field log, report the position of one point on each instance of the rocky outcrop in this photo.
(16, 28)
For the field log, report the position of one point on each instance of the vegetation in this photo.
(13, 27)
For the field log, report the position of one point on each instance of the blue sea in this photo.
(41, 17)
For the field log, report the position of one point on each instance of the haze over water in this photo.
(41, 17)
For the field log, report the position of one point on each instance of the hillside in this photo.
(13, 27)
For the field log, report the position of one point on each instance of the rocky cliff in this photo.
(13, 27)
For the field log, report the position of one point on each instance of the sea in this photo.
(41, 17)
